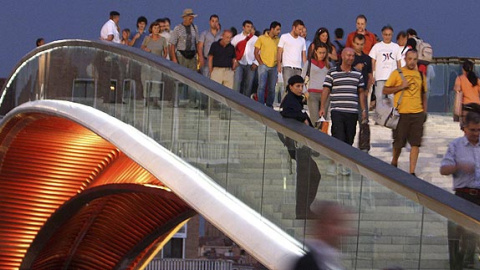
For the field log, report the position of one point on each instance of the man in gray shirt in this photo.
(183, 50)
(184, 41)
(207, 37)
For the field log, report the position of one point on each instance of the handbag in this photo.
(391, 119)
(307, 75)
(364, 136)
(390, 116)
(457, 107)
(322, 125)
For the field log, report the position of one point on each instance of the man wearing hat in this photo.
(183, 41)
(183, 48)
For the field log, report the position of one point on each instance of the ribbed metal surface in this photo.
(47, 160)
(104, 231)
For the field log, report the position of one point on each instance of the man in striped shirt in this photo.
(345, 86)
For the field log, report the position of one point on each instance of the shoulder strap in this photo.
(421, 76)
(403, 90)
(309, 67)
(340, 46)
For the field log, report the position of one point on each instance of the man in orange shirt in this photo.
(370, 39)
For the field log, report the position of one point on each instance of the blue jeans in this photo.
(267, 78)
(244, 76)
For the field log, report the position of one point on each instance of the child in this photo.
(125, 35)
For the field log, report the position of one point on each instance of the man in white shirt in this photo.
(386, 56)
(291, 52)
(245, 72)
(165, 30)
(110, 30)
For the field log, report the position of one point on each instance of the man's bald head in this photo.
(347, 49)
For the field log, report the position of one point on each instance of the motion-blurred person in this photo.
(331, 225)
(461, 161)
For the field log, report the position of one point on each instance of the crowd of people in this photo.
(338, 80)
(251, 63)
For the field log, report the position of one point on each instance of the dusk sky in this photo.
(451, 27)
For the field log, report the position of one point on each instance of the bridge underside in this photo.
(72, 200)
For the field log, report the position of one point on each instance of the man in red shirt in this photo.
(370, 39)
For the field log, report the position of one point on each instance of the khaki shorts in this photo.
(409, 129)
(223, 76)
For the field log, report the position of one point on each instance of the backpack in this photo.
(425, 51)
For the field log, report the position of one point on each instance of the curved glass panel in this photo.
(276, 166)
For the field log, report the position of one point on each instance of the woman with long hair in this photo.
(469, 85)
(316, 69)
(323, 36)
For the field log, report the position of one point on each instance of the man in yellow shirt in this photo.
(410, 89)
(266, 55)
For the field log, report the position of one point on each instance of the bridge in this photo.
(93, 175)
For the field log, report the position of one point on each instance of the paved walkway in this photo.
(439, 131)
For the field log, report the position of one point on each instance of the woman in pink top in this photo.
(469, 84)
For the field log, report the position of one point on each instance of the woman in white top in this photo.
(402, 42)
(319, 66)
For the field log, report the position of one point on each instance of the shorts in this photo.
(409, 129)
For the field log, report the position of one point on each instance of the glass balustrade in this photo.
(247, 149)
